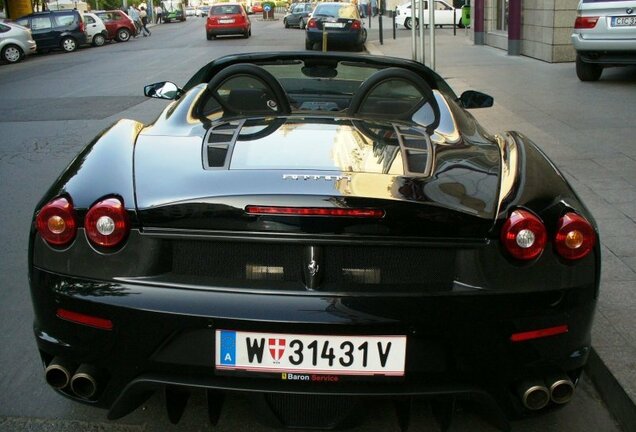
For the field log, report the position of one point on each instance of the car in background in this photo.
(298, 15)
(257, 7)
(190, 11)
(342, 23)
(445, 14)
(96, 33)
(63, 30)
(203, 11)
(227, 19)
(16, 42)
(604, 36)
(119, 25)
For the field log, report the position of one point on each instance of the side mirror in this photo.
(163, 90)
(474, 99)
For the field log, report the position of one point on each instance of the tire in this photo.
(285, 23)
(587, 71)
(99, 40)
(460, 24)
(246, 34)
(209, 36)
(123, 35)
(407, 23)
(12, 53)
(309, 45)
(302, 24)
(68, 44)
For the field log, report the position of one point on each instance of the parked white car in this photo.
(16, 42)
(96, 33)
(444, 13)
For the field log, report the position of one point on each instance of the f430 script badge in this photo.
(316, 177)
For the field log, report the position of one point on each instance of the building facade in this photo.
(546, 26)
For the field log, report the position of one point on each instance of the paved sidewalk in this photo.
(588, 130)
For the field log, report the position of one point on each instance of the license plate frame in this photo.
(226, 21)
(333, 25)
(281, 354)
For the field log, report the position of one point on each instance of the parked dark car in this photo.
(227, 19)
(298, 15)
(56, 29)
(313, 230)
(119, 25)
(342, 23)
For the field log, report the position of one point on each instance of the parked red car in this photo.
(226, 19)
(118, 25)
(257, 7)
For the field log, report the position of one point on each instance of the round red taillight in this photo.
(524, 235)
(106, 223)
(312, 23)
(575, 237)
(56, 222)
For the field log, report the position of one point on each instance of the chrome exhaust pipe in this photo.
(561, 388)
(58, 373)
(534, 395)
(84, 383)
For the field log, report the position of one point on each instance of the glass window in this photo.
(4, 28)
(225, 10)
(24, 22)
(40, 23)
(64, 20)
(89, 19)
(442, 6)
(502, 15)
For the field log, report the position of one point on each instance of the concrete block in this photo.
(564, 18)
(563, 53)
(562, 35)
(536, 50)
(565, 4)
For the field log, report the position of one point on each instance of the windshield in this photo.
(344, 10)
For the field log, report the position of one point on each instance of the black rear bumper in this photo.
(163, 337)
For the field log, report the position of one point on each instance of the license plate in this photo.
(333, 25)
(284, 354)
(624, 21)
(226, 21)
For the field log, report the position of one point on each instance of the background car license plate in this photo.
(626, 21)
(226, 21)
(300, 353)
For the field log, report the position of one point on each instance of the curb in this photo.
(618, 402)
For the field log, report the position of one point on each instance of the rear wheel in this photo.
(123, 35)
(587, 71)
(408, 23)
(99, 40)
(302, 23)
(209, 36)
(68, 44)
(285, 23)
(12, 54)
(309, 45)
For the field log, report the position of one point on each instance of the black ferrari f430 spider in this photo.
(314, 230)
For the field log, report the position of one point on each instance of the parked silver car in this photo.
(15, 42)
(604, 35)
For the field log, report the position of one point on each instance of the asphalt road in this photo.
(51, 106)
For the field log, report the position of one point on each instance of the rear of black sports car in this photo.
(311, 265)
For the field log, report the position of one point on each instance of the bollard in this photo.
(324, 40)
(394, 24)
(380, 29)
(454, 21)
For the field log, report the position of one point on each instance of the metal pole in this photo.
(431, 26)
(421, 24)
(380, 22)
(454, 21)
(413, 34)
(394, 25)
(324, 39)
(369, 13)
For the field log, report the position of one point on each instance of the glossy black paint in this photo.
(165, 298)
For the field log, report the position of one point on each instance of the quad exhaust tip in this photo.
(561, 390)
(58, 373)
(535, 395)
(83, 383)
